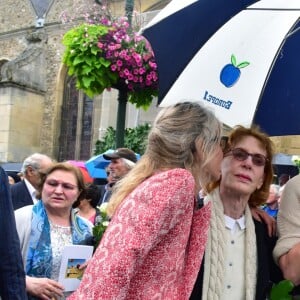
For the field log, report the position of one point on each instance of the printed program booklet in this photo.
(73, 257)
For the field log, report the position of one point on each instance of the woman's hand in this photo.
(44, 288)
(261, 216)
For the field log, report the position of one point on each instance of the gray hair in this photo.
(276, 188)
(34, 161)
(128, 163)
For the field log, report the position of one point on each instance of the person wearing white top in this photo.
(238, 260)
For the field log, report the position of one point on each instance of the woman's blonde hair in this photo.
(177, 132)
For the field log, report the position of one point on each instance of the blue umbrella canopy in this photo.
(239, 58)
(97, 164)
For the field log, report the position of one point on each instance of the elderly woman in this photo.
(238, 258)
(49, 225)
(153, 246)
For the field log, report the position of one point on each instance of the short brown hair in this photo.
(65, 166)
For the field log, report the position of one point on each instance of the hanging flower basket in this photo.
(110, 55)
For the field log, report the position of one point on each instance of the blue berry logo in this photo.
(231, 73)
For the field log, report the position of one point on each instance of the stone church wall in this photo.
(30, 57)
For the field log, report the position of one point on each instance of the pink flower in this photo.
(149, 77)
(130, 86)
(137, 57)
(130, 77)
(142, 71)
(153, 65)
(113, 67)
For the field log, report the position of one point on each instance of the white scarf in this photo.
(215, 250)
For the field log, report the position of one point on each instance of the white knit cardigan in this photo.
(216, 248)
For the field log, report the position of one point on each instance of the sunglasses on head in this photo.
(241, 155)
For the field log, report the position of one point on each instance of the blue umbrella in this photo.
(239, 58)
(96, 165)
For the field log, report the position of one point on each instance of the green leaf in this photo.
(71, 71)
(87, 81)
(281, 290)
(78, 60)
(233, 60)
(244, 64)
(106, 63)
(86, 70)
(89, 93)
(94, 50)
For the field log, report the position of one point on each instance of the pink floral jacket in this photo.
(153, 246)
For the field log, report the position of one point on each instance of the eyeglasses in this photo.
(66, 186)
(241, 155)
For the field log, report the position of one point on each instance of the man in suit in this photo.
(12, 275)
(23, 193)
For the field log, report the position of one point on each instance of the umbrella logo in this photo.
(231, 73)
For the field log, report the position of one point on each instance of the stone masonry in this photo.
(32, 76)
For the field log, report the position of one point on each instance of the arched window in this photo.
(76, 123)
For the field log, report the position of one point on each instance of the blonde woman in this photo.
(154, 244)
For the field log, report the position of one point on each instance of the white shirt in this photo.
(234, 281)
(235, 225)
(31, 190)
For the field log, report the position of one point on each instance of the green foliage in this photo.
(109, 54)
(135, 139)
(86, 61)
(108, 141)
(282, 290)
(143, 98)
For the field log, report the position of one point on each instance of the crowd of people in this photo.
(163, 240)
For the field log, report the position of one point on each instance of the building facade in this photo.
(40, 108)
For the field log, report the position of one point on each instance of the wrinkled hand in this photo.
(44, 288)
(261, 216)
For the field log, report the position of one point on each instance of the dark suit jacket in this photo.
(267, 271)
(12, 275)
(20, 195)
